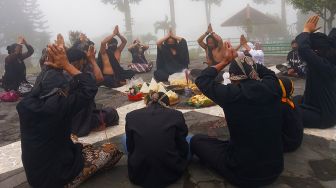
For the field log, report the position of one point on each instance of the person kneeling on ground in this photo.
(109, 59)
(49, 156)
(253, 156)
(90, 118)
(318, 104)
(172, 56)
(15, 68)
(156, 142)
(139, 61)
(212, 47)
(292, 128)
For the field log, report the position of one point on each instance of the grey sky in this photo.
(96, 19)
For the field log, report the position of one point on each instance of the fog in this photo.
(97, 19)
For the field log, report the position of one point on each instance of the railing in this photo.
(273, 48)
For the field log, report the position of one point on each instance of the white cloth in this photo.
(258, 56)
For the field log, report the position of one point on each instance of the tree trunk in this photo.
(207, 11)
(283, 13)
(329, 25)
(128, 21)
(172, 15)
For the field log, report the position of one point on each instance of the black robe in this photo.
(157, 146)
(138, 55)
(49, 157)
(168, 64)
(319, 100)
(15, 69)
(292, 128)
(253, 156)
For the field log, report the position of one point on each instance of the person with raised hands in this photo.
(15, 68)
(172, 56)
(253, 156)
(212, 46)
(318, 103)
(139, 61)
(49, 156)
(109, 58)
(252, 50)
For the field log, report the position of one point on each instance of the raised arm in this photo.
(30, 49)
(160, 42)
(308, 54)
(145, 47)
(202, 37)
(106, 40)
(83, 88)
(90, 54)
(219, 40)
(217, 92)
(173, 35)
(123, 40)
(133, 46)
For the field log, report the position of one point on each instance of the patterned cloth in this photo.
(141, 68)
(98, 158)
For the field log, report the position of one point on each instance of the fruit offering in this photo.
(200, 101)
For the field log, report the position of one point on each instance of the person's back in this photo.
(254, 120)
(319, 100)
(15, 69)
(156, 145)
(253, 156)
(48, 154)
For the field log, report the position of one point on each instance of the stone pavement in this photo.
(313, 165)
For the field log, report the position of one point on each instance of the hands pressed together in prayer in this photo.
(58, 59)
(22, 40)
(91, 54)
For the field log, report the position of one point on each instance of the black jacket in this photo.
(49, 157)
(292, 128)
(253, 114)
(169, 63)
(320, 91)
(156, 142)
(15, 69)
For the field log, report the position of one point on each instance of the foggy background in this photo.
(39, 21)
(96, 18)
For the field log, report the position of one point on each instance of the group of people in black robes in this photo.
(263, 118)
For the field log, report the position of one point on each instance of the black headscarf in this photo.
(83, 46)
(11, 48)
(49, 82)
(75, 54)
(320, 41)
(112, 45)
(52, 81)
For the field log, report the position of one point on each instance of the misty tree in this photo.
(208, 4)
(325, 8)
(74, 37)
(271, 31)
(124, 6)
(283, 8)
(147, 38)
(22, 17)
(164, 25)
(172, 14)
